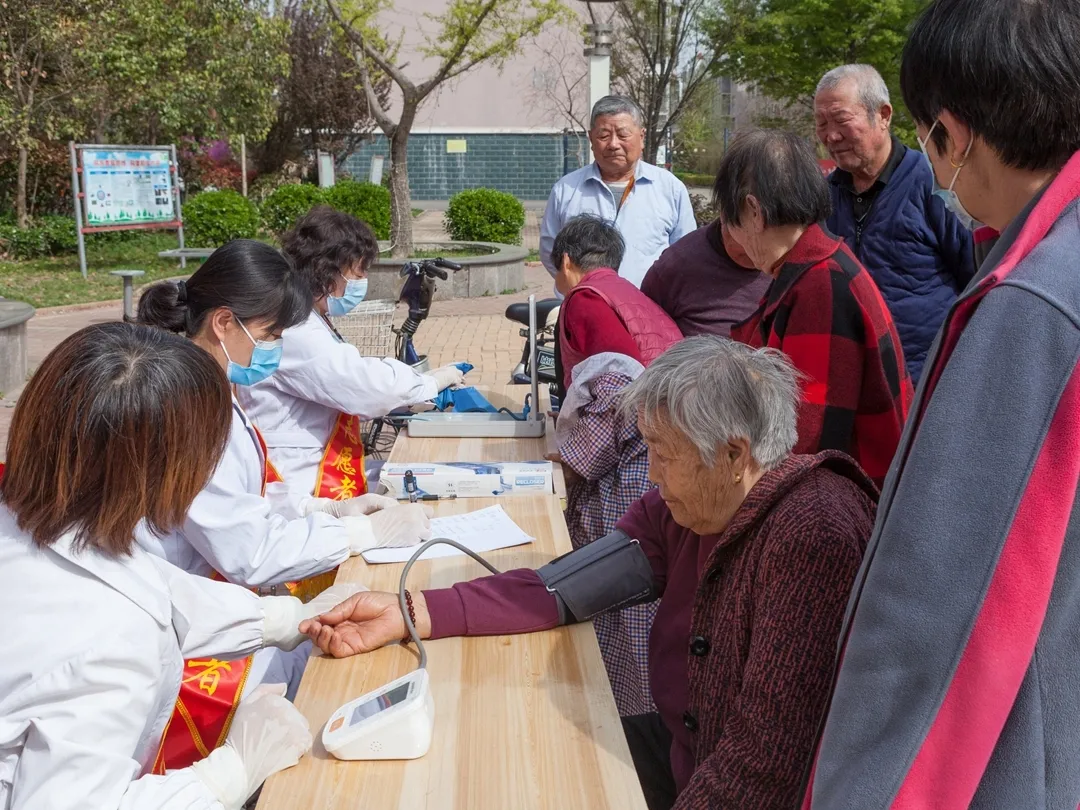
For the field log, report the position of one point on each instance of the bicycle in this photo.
(417, 291)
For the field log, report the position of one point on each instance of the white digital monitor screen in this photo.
(384, 701)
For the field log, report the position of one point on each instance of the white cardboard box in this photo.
(469, 480)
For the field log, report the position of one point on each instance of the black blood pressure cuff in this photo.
(607, 574)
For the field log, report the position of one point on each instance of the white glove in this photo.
(360, 505)
(282, 614)
(404, 525)
(447, 376)
(268, 735)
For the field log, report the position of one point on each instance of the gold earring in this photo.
(958, 166)
(738, 478)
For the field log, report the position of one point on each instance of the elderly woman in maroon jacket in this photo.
(752, 552)
(609, 332)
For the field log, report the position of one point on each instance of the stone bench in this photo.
(500, 271)
(186, 253)
(13, 344)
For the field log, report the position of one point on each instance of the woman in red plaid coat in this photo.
(609, 331)
(822, 310)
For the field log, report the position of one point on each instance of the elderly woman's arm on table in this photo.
(516, 601)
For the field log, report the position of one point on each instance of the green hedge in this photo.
(696, 179)
(364, 201)
(52, 235)
(485, 215)
(46, 236)
(286, 204)
(213, 218)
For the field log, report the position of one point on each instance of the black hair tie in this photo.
(181, 292)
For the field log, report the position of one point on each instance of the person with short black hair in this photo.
(884, 206)
(959, 676)
(324, 388)
(609, 332)
(245, 526)
(602, 311)
(822, 308)
(121, 425)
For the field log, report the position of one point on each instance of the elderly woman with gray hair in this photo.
(752, 551)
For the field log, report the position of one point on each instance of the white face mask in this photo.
(948, 196)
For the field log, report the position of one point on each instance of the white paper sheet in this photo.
(482, 530)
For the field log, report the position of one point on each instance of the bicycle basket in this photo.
(368, 328)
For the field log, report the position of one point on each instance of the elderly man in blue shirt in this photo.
(649, 205)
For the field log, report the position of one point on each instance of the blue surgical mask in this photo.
(265, 359)
(355, 292)
(947, 195)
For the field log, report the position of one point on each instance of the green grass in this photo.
(534, 256)
(56, 281)
(417, 212)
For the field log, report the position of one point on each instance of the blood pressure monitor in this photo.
(393, 722)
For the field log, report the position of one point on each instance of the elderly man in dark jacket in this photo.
(883, 205)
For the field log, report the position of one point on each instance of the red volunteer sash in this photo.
(209, 694)
(210, 689)
(341, 471)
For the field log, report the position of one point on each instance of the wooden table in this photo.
(436, 450)
(522, 722)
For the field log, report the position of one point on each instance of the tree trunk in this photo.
(652, 145)
(401, 233)
(21, 217)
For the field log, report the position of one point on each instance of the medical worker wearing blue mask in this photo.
(246, 526)
(310, 411)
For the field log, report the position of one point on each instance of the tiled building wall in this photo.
(523, 164)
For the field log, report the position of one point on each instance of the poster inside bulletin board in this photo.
(127, 187)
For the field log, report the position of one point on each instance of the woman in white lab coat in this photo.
(310, 410)
(235, 307)
(122, 424)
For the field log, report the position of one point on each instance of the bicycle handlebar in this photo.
(430, 267)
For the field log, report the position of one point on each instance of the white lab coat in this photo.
(319, 378)
(249, 539)
(253, 541)
(92, 658)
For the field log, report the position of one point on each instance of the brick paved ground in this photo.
(470, 329)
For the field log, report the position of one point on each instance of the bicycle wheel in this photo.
(379, 438)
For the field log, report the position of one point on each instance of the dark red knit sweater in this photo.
(742, 649)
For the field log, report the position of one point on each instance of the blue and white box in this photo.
(463, 479)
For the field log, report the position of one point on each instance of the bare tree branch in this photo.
(373, 54)
(465, 36)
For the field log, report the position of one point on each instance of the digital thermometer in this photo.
(394, 722)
